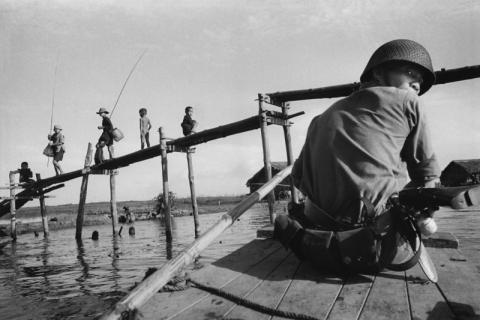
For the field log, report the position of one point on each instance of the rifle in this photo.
(455, 197)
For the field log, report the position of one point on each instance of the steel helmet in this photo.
(403, 50)
(57, 126)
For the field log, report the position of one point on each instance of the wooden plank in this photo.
(270, 292)
(165, 304)
(388, 298)
(311, 293)
(218, 307)
(425, 300)
(459, 281)
(352, 297)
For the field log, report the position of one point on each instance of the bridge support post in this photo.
(13, 221)
(43, 208)
(192, 192)
(113, 202)
(83, 193)
(288, 145)
(166, 201)
(266, 155)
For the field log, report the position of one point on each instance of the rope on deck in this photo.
(183, 282)
(250, 304)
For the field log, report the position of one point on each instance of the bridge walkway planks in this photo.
(264, 272)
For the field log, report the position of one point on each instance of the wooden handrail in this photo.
(148, 287)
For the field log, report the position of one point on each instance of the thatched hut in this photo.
(282, 191)
(461, 173)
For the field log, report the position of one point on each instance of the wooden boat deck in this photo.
(264, 272)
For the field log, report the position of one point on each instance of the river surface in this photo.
(60, 278)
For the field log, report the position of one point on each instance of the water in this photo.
(59, 278)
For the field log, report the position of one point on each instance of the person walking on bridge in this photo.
(57, 142)
(106, 139)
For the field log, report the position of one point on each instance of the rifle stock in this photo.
(455, 197)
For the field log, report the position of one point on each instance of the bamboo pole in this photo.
(266, 154)
(147, 288)
(83, 193)
(288, 145)
(13, 221)
(113, 202)
(166, 200)
(192, 192)
(43, 208)
(441, 76)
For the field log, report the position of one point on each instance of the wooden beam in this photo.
(193, 197)
(166, 200)
(13, 221)
(113, 202)
(83, 193)
(149, 286)
(43, 209)
(266, 154)
(288, 146)
(442, 76)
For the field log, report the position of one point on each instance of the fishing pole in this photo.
(53, 100)
(126, 80)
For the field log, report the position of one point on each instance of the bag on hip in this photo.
(117, 134)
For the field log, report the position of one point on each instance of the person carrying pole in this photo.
(106, 138)
(351, 165)
(57, 142)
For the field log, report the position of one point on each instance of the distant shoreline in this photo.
(64, 216)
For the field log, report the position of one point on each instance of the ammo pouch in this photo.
(389, 241)
(365, 250)
(359, 250)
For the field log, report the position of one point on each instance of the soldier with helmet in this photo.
(355, 155)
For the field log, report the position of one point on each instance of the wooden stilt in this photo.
(288, 145)
(192, 192)
(113, 202)
(13, 221)
(166, 200)
(266, 155)
(43, 208)
(83, 193)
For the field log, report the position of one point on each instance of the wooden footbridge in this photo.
(286, 282)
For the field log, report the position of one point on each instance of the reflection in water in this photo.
(115, 263)
(81, 259)
(60, 277)
(169, 250)
(45, 261)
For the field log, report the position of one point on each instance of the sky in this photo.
(73, 57)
